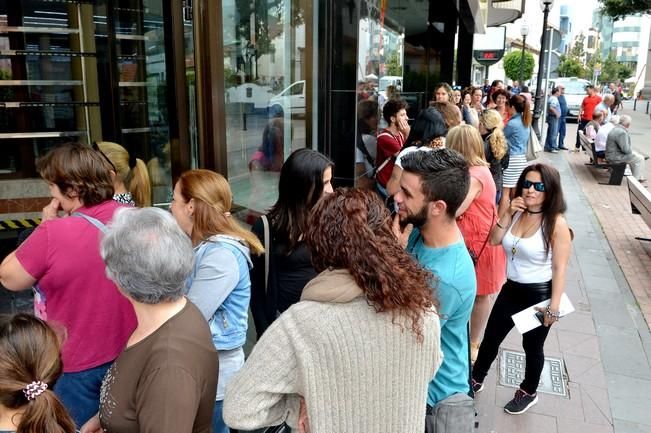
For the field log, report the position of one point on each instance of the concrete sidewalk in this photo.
(605, 345)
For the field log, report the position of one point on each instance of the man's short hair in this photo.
(391, 109)
(444, 175)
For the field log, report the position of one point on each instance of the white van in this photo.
(291, 100)
(574, 93)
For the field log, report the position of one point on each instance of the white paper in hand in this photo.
(526, 319)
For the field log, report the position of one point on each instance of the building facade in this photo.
(232, 85)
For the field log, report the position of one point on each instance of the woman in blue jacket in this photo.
(516, 132)
(220, 285)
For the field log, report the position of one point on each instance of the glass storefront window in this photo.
(268, 77)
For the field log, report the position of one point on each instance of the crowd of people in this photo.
(376, 308)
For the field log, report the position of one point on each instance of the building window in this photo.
(267, 85)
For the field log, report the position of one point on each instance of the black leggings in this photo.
(513, 298)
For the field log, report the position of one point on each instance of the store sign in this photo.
(488, 48)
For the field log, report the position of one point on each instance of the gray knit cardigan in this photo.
(358, 371)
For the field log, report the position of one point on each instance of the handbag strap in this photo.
(487, 237)
(94, 221)
(267, 242)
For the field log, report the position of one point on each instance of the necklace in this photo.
(534, 213)
(516, 241)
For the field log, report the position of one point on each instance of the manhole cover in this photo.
(552, 380)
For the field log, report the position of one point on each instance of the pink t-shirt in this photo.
(72, 288)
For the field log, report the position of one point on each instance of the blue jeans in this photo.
(561, 132)
(218, 425)
(552, 133)
(79, 392)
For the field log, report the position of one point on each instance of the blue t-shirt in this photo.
(455, 288)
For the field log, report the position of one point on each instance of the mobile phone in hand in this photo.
(540, 315)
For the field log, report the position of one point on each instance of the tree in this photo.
(570, 67)
(512, 65)
(577, 50)
(620, 8)
(393, 65)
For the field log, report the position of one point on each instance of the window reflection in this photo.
(267, 81)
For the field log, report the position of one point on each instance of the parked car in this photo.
(291, 100)
(574, 94)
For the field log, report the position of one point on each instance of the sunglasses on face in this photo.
(538, 186)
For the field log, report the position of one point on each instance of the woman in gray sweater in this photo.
(357, 353)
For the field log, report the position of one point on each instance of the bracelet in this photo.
(551, 314)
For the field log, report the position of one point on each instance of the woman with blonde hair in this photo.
(475, 217)
(496, 149)
(220, 285)
(131, 181)
(30, 364)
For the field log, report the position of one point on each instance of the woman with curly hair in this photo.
(30, 364)
(358, 351)
(496, 149)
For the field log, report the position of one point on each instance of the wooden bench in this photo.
(616, 170)
(640, 201)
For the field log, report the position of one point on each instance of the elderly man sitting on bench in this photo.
(619, 148)
(602, 134)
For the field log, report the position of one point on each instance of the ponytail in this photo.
(30, 364)
(139, 185)
(45, 414)
(526, 114)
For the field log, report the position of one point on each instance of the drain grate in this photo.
(553, 379)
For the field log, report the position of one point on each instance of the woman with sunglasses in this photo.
(130, 176)
(536, 239)
(61, 261)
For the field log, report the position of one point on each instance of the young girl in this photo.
(30, 363)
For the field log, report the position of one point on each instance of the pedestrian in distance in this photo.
(496, 149)
(562, 120)
(390, 141)
(552, 119)
(588, 106)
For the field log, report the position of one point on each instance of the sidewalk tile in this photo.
(568, 425)
(579, 344)
(596, 406)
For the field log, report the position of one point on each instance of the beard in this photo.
(418, 219)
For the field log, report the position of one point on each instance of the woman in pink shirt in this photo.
(60, 260)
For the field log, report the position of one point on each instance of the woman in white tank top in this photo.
(536, 240)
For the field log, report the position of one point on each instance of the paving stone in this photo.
(525, 423)
(596, 406)
(579, 344)
(622, 426)
(629, 398)
(622, 352)
(579, 320)
(569, 425)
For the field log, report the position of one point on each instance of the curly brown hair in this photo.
(351, 229)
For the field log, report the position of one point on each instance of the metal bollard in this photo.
(647, 107)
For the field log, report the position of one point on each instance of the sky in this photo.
(580, 14)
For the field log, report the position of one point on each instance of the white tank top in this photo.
(526, 261)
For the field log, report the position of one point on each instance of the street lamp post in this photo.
(524, 31)
(545, 5)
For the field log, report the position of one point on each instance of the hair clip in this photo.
(34, 389)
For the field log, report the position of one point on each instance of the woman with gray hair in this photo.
(165, 379)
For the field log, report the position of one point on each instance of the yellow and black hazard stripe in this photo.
(26, 223)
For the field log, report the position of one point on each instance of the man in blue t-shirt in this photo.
(432, 187)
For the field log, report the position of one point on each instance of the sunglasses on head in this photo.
(96, 147)
(538, 186)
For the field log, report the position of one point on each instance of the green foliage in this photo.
(590, 67)
(613, 71)
(620, 8)
(570, 66)
(393, 65)
(577, 50)
(512, 61)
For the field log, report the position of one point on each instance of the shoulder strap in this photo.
(267, 242)
(94, 221)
